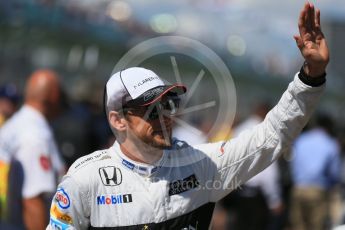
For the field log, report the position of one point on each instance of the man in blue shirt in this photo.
(315, 170)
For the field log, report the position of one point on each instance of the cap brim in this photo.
(178, 89)
(155, 94)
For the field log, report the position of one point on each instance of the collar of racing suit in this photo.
(142, 169)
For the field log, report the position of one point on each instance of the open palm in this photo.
(311, 41)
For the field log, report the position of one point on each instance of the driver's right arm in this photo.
(70, 207)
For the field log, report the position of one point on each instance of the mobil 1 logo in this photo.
(114, 199)
(110, 176)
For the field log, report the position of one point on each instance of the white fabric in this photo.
(131, 82)
(28, 138)
(218, 167)
(139, 80)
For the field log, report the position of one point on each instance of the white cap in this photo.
(137, 86)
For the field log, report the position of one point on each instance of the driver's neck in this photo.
(141, 153)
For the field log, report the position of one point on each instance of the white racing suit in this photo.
(106, 190)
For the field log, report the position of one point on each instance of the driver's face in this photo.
(156, 133)
(153, 124)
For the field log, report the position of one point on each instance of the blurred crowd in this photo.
(304, 189)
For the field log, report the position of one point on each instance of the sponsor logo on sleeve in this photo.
(222, 149)
(58, 225)
(110, 176)
(114, 199)
(45, 162)
(62, 198)
(180, 186)
(57, 214)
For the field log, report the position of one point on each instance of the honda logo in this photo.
(110, 176)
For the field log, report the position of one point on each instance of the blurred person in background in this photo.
(147, 180)
(29, 158)
(316, 169)
(257, 204)
(9, 99)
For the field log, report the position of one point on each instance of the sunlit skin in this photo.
(150, 132)
(141, 138)
(311, 41)
(43, 93)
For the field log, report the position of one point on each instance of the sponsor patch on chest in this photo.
(114, 199)
(180, 186)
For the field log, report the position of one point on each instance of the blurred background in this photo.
(84, 39)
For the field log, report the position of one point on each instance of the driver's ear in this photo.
(117, 121)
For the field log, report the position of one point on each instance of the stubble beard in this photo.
(156, 140)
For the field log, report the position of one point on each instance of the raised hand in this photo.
(312, 42)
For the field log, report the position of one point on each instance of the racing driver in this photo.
(147, 180)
